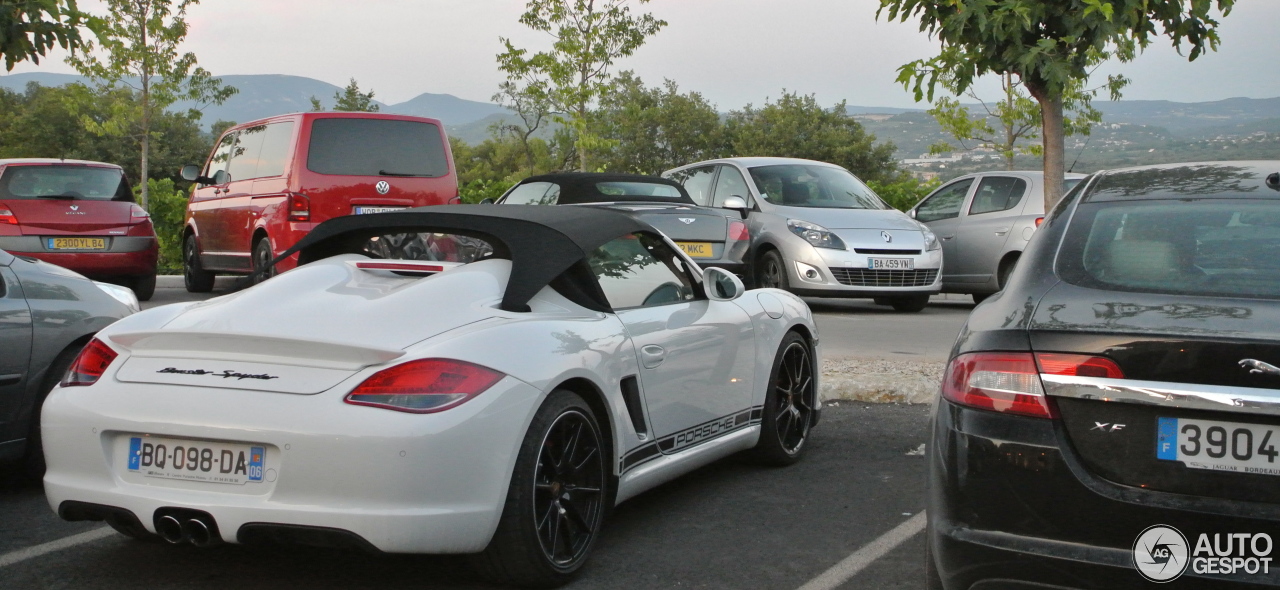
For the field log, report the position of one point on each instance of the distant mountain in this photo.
(1188, 117)
(274, 94)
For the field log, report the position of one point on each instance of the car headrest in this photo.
(1141, 261)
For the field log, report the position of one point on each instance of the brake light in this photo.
(1005, 382)
(1078, 365)
(6, 216)
(299, 208)
(89, 365)
(424, 386)
(1039, 220)
(738, 231)
(137, 213)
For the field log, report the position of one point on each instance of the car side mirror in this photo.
(721, 285)
(911, 213)
(737, 203)
(191, 173)
(486, 201)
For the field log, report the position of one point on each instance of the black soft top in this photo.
(577, 188)
(544, 244)
(1195, 180)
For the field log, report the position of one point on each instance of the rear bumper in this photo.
(1010, 508)
(124, 256)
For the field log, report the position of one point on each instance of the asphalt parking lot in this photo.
(731, 525)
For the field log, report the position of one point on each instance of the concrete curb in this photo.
(880, 381)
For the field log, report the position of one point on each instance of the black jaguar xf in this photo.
(1112, 418)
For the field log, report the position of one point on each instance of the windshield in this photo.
(1225, 248)
(376, 147)
(71, 182)
(806, 185)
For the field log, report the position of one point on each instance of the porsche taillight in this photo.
(1009, 382)
(7, 217)
(299, 207)
(89, 365)
(424, 386)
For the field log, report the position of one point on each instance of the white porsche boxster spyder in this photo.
(527, 368)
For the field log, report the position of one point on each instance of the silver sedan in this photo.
(817, 230)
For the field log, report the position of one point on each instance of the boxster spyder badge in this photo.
(1257, 367)
(887, 238)
(383, 187)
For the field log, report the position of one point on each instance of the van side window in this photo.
(277, 144)
(997, 193)
(221, 155)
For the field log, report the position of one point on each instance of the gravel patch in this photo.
(880, 381)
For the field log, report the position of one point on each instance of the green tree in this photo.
(796, 126)
(1017, 116)
(30, 28)
(350, 99)
(138, 42)
(531, 104)
(653, 129)
(589, 36)
(904, 193)
(1049, 45)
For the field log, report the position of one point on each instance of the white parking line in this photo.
(860, 559)
(21, 555)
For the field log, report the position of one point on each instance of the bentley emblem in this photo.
(686, 220)
(1257, 367)
(887, 238)
(383, 187)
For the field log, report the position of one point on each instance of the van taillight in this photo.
(89, 365)
(6, 216)
(299, 208)
(1005, 382)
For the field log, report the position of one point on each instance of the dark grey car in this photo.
(47, 314)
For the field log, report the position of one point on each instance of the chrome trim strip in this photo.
(1243, 400)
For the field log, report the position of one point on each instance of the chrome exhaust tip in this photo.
(170, 530)
(199, 534)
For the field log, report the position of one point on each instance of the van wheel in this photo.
(773, 271)
(196, 278)
(556, 502)
(143, 287)
(262, 257)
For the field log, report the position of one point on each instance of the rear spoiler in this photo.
(260, 348)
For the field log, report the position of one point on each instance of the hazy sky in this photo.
(733, 51)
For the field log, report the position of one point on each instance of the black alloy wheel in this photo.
(196, 278)
(556, 502)
(773, 271)
(789, 403)
(262, 257)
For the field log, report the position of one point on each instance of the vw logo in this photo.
(887, 238)
(686, 220)
(383, 187)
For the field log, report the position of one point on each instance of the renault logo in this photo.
(383, 187)
(75, 207)
(887, 238)
(687, 220)
(1257, 367)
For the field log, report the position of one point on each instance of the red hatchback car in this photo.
(81, 216)
(268, 182)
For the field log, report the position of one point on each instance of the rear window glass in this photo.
(69, 182)
(376, 147)
(533, 193)
(638, 189)
(439, 247)
(1225, 248)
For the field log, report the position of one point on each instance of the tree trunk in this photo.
(1052, 133)
(146, 145)
(1009, 139)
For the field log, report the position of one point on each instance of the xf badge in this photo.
(1107, 427)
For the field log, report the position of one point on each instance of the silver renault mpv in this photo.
(816, 230)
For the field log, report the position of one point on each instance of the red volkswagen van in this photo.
(268, 182)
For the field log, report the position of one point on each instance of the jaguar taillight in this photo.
(424, 386)
(1005, 382)
(89, 365)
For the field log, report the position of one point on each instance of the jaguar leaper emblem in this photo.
(1257, 367)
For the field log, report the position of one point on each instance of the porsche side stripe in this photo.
(689, 437)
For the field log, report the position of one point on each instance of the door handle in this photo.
(652, 355)
(10, 379)
(947, 237)
(1002, 231)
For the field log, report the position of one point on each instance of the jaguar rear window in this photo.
(1208, 247)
